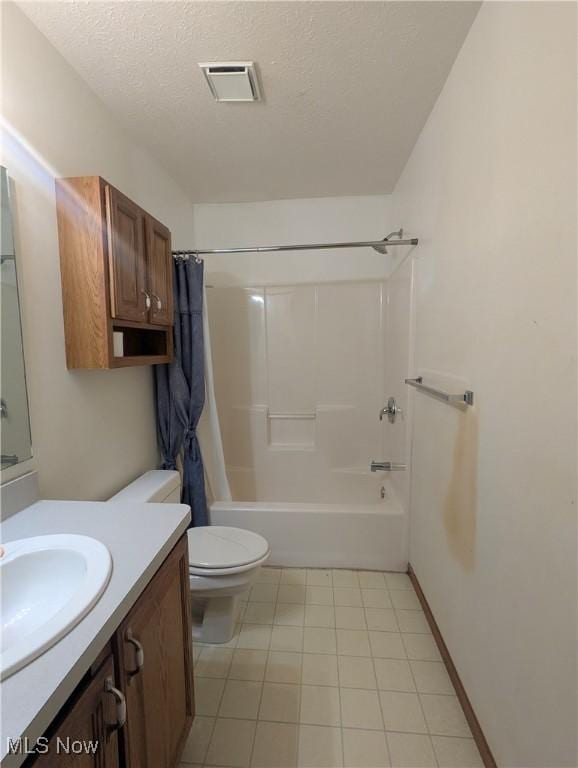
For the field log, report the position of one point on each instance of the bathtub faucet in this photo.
(386, 466)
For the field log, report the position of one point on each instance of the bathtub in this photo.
(370, 534)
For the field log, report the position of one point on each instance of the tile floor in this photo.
(327, 668)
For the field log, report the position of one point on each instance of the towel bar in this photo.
(291, 415)
(467, 398)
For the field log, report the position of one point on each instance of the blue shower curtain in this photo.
(180, 388)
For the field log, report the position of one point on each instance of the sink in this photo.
(48, 584)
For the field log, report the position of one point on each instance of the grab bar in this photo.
(467, 398)
(291, 415)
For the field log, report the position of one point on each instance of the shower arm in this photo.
(378, 245)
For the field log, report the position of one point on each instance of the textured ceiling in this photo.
(347, 86)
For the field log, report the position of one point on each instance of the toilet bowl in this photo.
(223, 561)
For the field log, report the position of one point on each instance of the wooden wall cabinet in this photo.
(116, 270)
(149, 662)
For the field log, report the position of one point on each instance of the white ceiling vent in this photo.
(232, 80)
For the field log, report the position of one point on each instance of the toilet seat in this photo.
(220, 550)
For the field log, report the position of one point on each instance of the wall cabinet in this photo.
(116, 270)
(137, 701)
(160, 271)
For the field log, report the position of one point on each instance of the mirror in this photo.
(14, 419)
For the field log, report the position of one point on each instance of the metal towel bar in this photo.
(466, 398)
(291, 415)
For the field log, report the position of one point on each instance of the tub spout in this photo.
(386, 466)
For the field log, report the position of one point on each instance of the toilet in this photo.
(223, 561)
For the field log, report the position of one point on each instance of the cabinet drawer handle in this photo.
(139, 652)
(120, 703)
(158, 301)
(147, 299)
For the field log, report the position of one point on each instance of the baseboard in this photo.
(473, 722)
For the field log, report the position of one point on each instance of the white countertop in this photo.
(139, 537)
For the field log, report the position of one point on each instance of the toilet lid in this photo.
(217, 546)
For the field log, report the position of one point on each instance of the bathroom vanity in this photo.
(122, 678)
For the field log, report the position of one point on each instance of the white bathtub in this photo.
(369, 535)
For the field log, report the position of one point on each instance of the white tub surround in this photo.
(138, 537)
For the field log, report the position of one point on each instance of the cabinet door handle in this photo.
(120, 703)
(147, 299)
(139, 652)
(158, 301)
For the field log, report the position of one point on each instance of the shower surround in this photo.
(299, 379)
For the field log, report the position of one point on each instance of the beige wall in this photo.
(317, 220)
(92, 431)
(490, 190)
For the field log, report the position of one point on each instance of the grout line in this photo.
(421, 709)
(347, 727)
(257, 722)
(387, 748)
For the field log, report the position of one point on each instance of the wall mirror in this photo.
(15, 421)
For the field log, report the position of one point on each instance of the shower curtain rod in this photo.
(377, 245)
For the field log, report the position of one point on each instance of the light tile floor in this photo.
(327, 668)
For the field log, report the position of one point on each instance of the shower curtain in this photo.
(209, 428)
(180, 388)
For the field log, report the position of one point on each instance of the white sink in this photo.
(48, 584)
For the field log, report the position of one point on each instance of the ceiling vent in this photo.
(232, 80)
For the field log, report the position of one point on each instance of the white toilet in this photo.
(223, 562)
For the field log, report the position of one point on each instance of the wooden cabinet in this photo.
(160, 272)
(127, 257)
(86, 735)
(154, 646)
(147, 670)
(116, 270)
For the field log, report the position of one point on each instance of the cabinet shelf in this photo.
(118, 325)
(131, 360)
(143, 346)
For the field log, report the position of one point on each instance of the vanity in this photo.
(116, 690)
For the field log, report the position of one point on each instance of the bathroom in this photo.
(397, 584)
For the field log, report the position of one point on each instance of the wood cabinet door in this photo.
(127, 259)
(160, 272)
(154, 650)
(86, 736)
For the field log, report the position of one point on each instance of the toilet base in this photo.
(216, 623)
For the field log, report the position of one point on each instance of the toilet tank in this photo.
(158, 485)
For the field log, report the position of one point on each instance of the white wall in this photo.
(292, 222)
(490, 190)
(92, 431)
